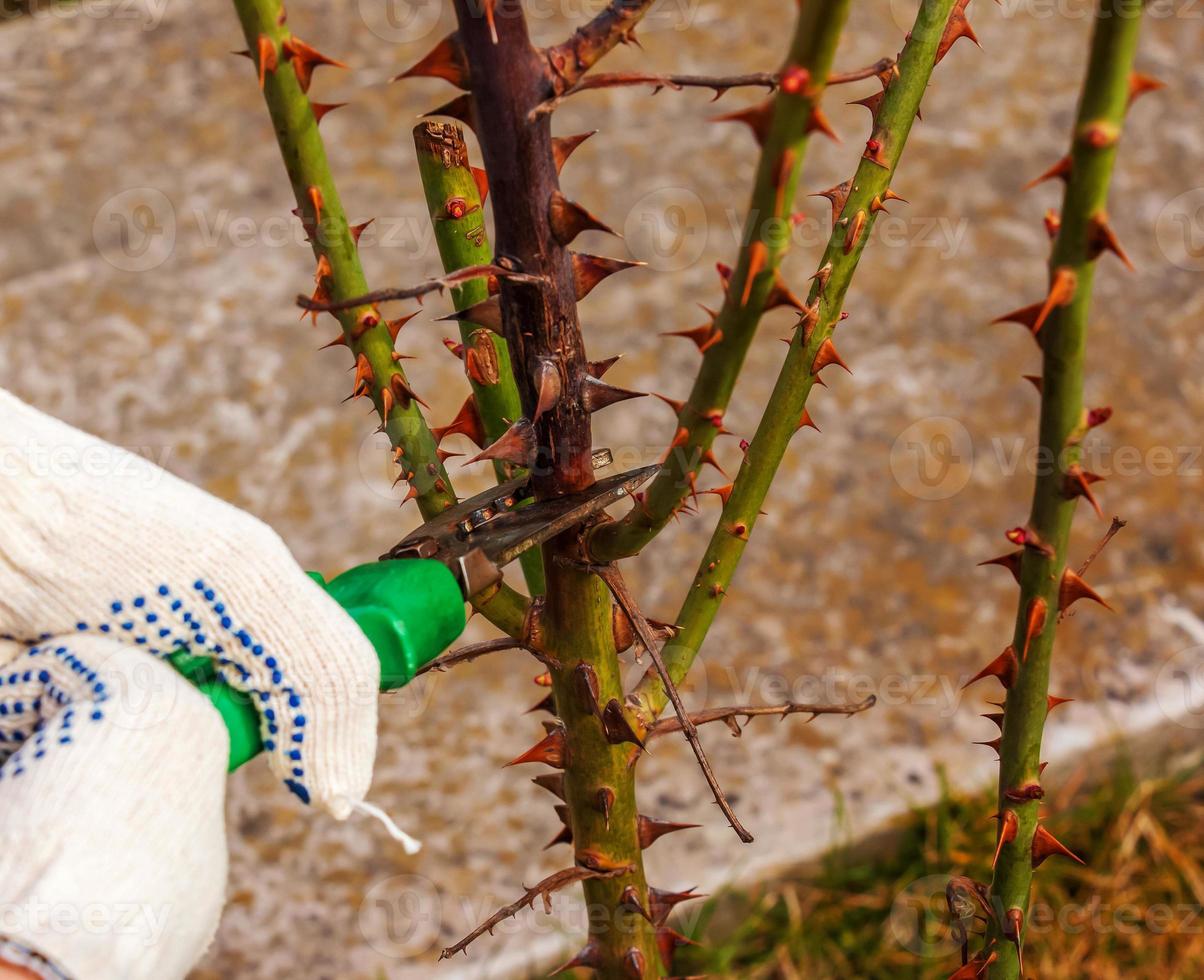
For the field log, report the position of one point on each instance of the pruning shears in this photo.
(410, 603)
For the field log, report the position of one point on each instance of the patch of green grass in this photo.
(877, 911)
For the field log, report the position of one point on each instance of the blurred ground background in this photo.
(148, 262)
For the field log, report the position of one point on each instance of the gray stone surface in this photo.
(147, 265)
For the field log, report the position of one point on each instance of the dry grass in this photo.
(1136, 910)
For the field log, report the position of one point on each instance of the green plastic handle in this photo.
(410, 610)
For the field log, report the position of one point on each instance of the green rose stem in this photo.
(284, 65)
(455, 199)
(1047, 584)
(783, 125)
(810, 350)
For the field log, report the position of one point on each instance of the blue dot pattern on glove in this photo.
(168, 620)
(38, 713)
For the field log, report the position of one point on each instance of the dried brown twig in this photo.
(731, 714)
(545, 889)
(467, 654)
(435, 285)
(618, 588)
(717, 83)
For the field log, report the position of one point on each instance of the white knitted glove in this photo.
(112, 767)
(95, 540)
(112, 842)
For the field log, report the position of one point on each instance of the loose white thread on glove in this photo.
(97, 541)
(112, 780)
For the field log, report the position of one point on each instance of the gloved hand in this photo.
(113, 560)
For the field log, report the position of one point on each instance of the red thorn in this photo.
(305, 59)
(650, 830)
(569, 219)
(1046, 845)
(1061, 292)
(662, 903)
(1010, 561)
(1034, 624)
(481, 179)
(563, 147)
(1052, 702)
(1101, 238)
(596, 369)
(597, 395)
(339, 341)
(515, 445)
(446, 60)
(1008, 825)
(1140, 84)
(363, 372)
(315, 199)
(320, 109)
(1035, 380)
(757, 255)
(827, 355)
(589, 270)
(590, 957)
(487, 313)
(445, 454)
(1078, 484)
(266, 57)
(460, 109)
(466, 423)
(871, 102)
(780, 295)
(818, 122)
(357, 230)
(956, 27)
(673, 403)
(1003, 668)
(667, 941)
(404, 393)
(547, 386)
(550, 750)
(1026, 316)
(394, 326)
(1098, 416)
(709, 459)
(991, 744)
(807, 422)
(1061, 169)
(853, 234)
(724, 493)
(1073, 588)
(1013, 930)
(756, 117)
